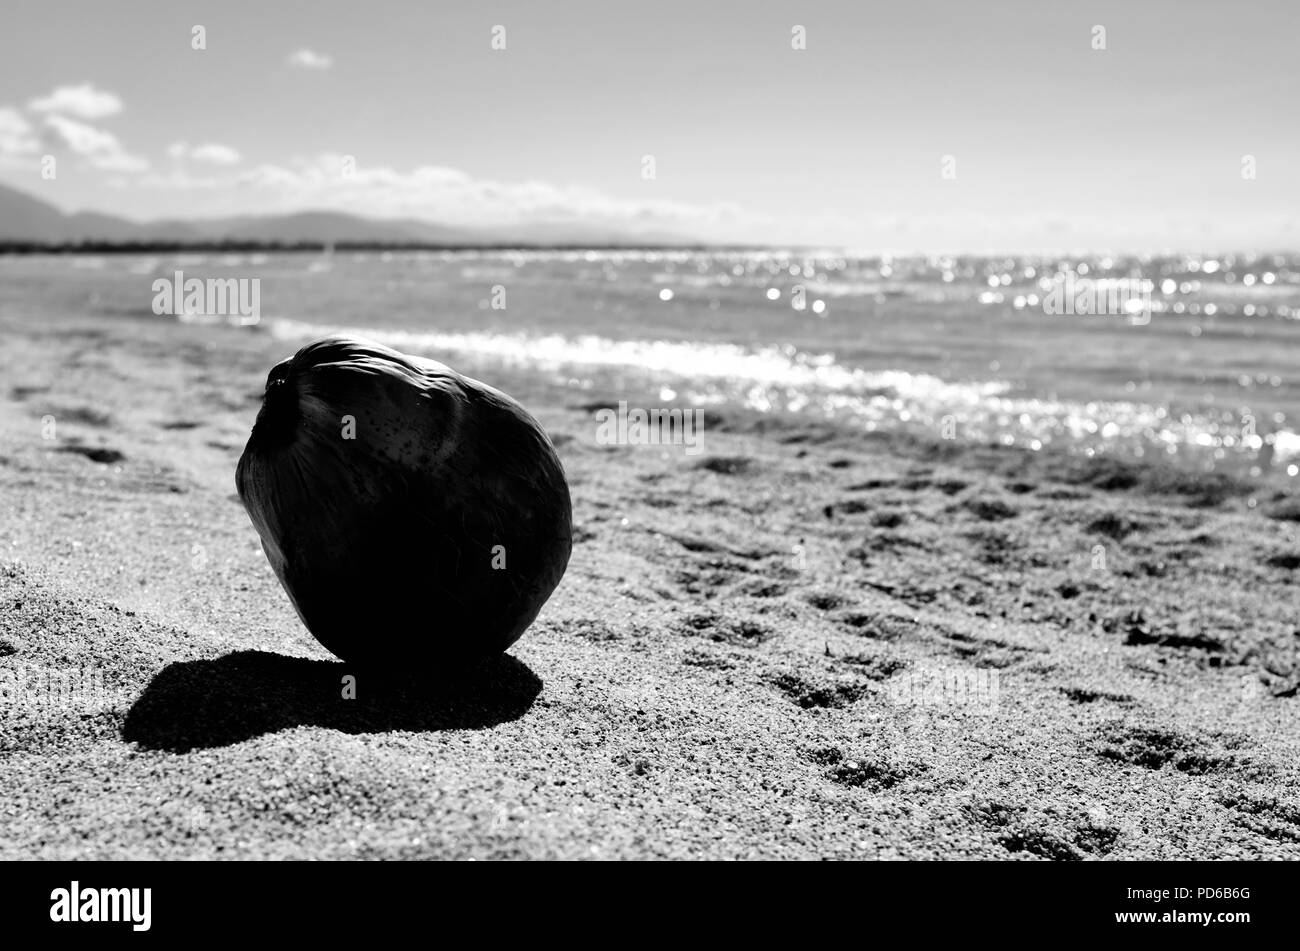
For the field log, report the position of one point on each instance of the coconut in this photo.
(416, 518)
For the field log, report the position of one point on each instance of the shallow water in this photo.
(1194, 358)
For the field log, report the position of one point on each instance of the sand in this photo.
(804, 642)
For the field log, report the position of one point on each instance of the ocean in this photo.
(1192, 357)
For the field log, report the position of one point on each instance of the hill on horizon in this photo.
(25, 219)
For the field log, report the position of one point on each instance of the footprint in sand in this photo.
(858, 772)
(743, 632)
(1085, 695)
(1269, 817)
(100, 454)
(1155, 748)
(820, 694)
(727, 465)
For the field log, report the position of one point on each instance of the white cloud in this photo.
(17, 137)
(101, 149)
(306, 59)
(270, 176)
(450, 195)
(84, 102)
(176, 180)
(212, 153)
(215, 154)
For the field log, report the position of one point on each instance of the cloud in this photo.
(17, 137)
(210, 152)
(306, 59)
(270, 176)
(84, 102)
(175, 180)
(336, 182)
(100, 149)
(215, 154)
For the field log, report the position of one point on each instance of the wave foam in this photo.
(784, 378)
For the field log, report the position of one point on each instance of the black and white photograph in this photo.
(650, 431)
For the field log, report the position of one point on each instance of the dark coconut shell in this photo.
(390, 544)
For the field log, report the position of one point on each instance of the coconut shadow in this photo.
(201, 704)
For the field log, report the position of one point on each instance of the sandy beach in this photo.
(802, 642)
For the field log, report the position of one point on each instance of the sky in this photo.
(904, 126)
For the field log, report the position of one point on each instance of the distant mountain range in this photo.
(26, 220)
